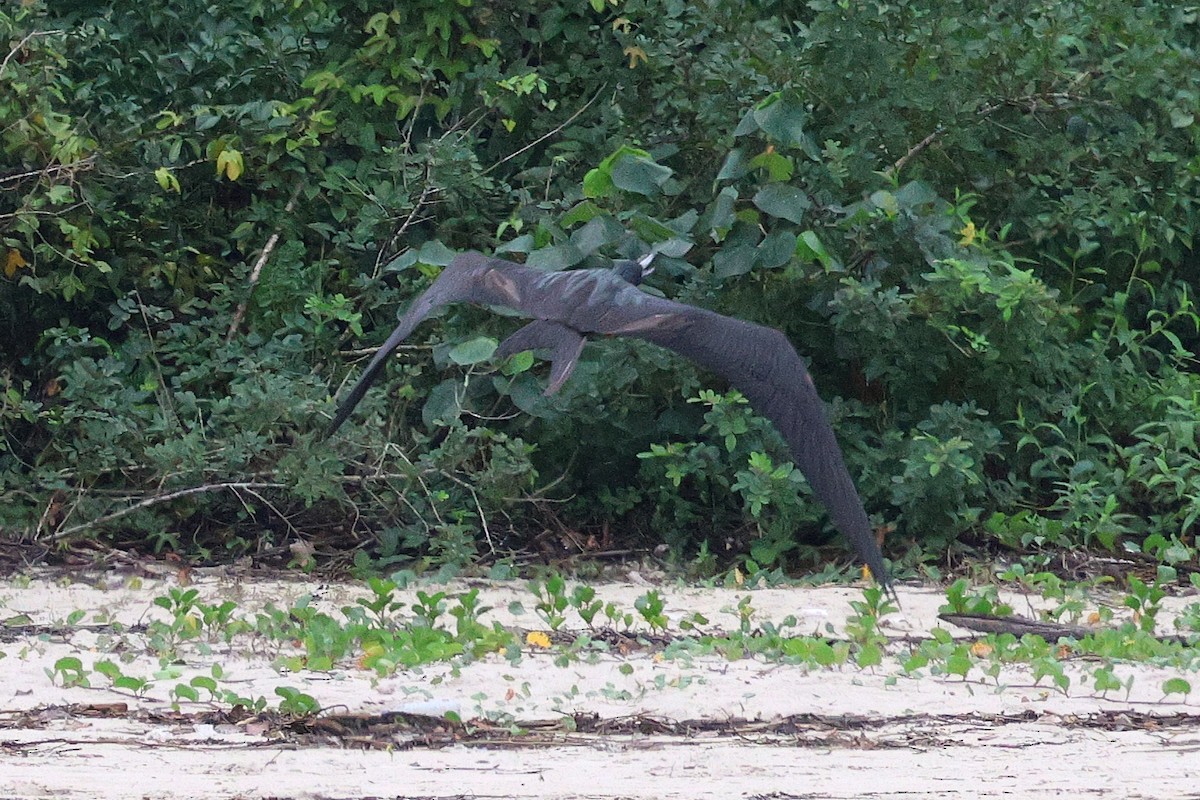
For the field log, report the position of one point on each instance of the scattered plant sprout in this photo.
(296, 702)
(982, 600)
(651, 606)
(69, 671)
(1146, 599)
(552, 600)
(863, 626)
(1176, 686)
(385, 633)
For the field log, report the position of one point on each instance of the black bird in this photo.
(758, 361)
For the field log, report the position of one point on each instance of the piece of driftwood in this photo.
(1019, 626)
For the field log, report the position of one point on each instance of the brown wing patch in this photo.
(654, 322)
(503, 285)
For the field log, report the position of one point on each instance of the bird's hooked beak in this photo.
(645, 264)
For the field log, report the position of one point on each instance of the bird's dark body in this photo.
(758, 361)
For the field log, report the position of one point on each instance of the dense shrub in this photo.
(977, 222)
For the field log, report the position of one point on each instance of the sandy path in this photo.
(869, 733)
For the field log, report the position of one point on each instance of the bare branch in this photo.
(21, 45)
(914, 150)
(1029, 103)
(256, 272)
(548, 134)
(156, 500)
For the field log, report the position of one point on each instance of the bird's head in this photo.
(634, 271)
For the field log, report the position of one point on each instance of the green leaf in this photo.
(959, 662)
(598, 232)
(518, 363)
(473, 351)
(776, 249)
(778, 166)
(869, 656)
(781, 116)
(649, 229)
(721, 217)
(729, 262)
(823, 653)
(1182, 118)
(747, 125)
(629, 169)
(521, 244)
(402, 261)
(230, 163)
(167, 180)
(783, 201)
(556, 257)
(435, 253)
(735, 166)
(442, 406)
(640, 175)
(598, 183)
(886, 202)
(915, 194)
(185, 692)
(582, 212)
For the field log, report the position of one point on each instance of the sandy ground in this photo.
(850, 733)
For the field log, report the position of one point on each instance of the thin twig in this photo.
(915, 149)
(422, 202)
(291, 528)
(21, 45)
(547, 135)
(256, 272)
(487, 533)
(161, 390)
(156, 500)
(80, 165)
(31, 213)
(1029, 102)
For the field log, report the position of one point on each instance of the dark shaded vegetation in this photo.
(977, 221)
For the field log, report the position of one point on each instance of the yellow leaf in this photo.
(230, 163)
(981, 649)
(537, 639)
(634, 52)
(622, 24)
(14, 262)
(968, 234)
(166, 179)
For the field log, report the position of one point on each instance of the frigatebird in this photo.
(758, 361)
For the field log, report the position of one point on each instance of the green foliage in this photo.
(978, 227)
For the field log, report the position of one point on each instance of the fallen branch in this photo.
(1020, 626)
(156, 500)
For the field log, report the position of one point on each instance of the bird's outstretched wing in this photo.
(758, 361)
(461, 281)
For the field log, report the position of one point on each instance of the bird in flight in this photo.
(758, 361)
